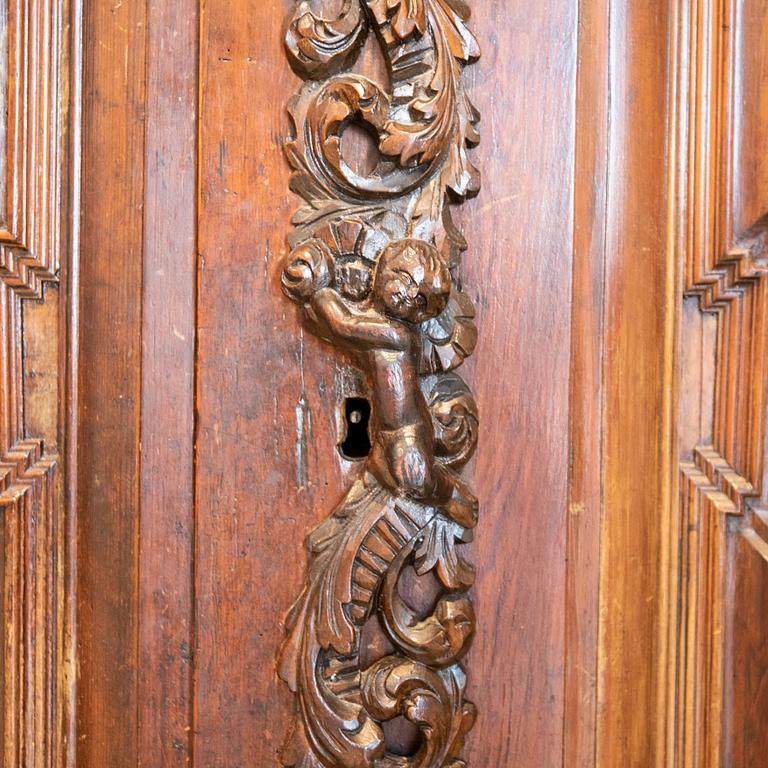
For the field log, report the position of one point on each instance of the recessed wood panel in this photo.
(746, 667)
(32, 170)
(720, 238)
(750, 101)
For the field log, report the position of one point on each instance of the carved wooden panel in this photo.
(31, 139)
(722, 189)
(268, 396)
(374, 267)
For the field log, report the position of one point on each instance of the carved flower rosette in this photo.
(373, 266)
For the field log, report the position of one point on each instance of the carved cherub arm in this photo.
(367, 329)
(456, 500)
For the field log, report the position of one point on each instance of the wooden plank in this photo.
(586, 386)
(166, 535)
(109, 403)
(267, 466)
(518, 270)
(632, 610)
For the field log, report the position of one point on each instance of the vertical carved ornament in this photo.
(374, 268)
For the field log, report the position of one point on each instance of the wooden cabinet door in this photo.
(269, 269)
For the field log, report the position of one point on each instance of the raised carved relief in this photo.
(374, 269)
(721, 238)
(33, 111)
(31, 138)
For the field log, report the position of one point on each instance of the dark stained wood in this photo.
(368, 285)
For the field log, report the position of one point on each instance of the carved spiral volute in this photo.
(374, 268)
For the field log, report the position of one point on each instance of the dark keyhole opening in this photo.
(357, 414)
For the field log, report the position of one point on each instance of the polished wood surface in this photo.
(375, 271)
(721, 204)
(169, 434)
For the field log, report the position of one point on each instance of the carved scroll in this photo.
(374, 268)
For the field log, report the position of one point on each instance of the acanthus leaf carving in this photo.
(374, 268)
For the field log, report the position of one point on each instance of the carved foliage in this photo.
(374, 269)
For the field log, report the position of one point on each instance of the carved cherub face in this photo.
(412, 282)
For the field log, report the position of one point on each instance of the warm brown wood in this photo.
(746, 699)
(586, 389)
(639, 313)
(720, 125)
(166, 505)
(34, 229)
(374, 269)
(519, 273)
(109, 375)
(262, 477)
(170, 431)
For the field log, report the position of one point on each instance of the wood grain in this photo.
(519, 272)
(34, 131)
(721, 238)
(616, 259)
(167, 525)
(586, 387)
(109, 396)
(33, 137)
(265, 471)
(746, 692)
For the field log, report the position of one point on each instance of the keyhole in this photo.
(357, 415)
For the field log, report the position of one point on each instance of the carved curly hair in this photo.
(412, 280)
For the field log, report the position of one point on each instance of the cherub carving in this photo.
(371, 268)
(411, 284)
